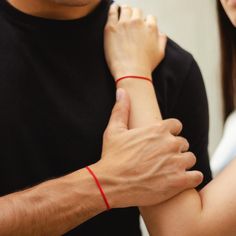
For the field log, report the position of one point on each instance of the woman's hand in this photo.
(133, 44)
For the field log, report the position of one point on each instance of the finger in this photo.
(151, 20)
(188, 159)
(120, 113)
(162, 40)
(175, 126)
(183, 144)
(193, 179)
(126, 13)
(113, 14)
(137, 14)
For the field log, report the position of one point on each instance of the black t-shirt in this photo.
(56, 96)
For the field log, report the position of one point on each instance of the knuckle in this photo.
(136, 21)
(178, 142)
(152, 26)
(183, 181)
(124, 23)
(159, 127)
(177, 182)
(178, 165)
(173, 143)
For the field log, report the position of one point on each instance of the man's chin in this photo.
(76, 3)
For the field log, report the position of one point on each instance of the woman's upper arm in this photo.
(219, 203)
(178, 216)
(211, 212)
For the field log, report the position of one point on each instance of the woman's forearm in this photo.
(210, 212)
(144, 106)
(144, 111)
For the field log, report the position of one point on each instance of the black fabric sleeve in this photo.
(191, 109)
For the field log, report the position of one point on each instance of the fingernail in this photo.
(200, 177)
(119, 94)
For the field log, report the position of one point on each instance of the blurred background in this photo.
(193, 25)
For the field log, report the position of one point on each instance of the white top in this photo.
(226, 150)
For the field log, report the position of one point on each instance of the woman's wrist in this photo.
(133, 83)
(126, 73)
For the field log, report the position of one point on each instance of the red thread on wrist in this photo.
(99, 187)
(133, 77)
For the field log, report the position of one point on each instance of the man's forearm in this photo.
(51, 208)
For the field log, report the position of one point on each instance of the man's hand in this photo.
(144, 166)
(139, 167)
(133, 44)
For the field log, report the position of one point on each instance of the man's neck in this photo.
(50, 10)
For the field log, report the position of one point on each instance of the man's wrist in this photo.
(107, 183)
(83, 184)
(114, 187)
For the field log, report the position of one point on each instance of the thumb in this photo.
(120, 114)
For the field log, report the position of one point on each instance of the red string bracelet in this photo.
(133, 77)
(100, 188)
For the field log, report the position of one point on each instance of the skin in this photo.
(139, 155)
(230, 9)
(145, 61)
(212, 211)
